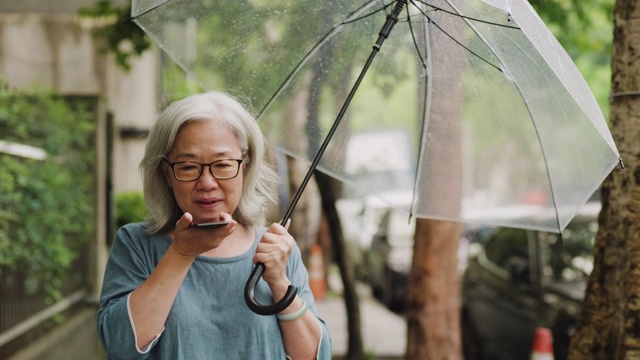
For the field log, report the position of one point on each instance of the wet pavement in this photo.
(383, 331)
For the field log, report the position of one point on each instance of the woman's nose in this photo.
(207, 179)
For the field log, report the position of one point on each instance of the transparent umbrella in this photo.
(471, 106)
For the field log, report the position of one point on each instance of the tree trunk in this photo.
(329, 190)
(306, 216)
(355, 350)
(434, 292)
(433, 302)
(609, 325)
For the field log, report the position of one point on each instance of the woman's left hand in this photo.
(273, 251)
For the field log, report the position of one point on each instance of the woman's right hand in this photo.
(192, 241)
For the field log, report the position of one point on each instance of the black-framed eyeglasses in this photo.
(224, 169)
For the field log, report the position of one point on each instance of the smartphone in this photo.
(210, 225)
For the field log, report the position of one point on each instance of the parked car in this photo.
(390, 254)
(388, 260)
(522, 279)
(360, 218)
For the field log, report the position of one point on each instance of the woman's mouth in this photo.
(209, 203)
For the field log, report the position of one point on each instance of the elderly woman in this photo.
(175, 291)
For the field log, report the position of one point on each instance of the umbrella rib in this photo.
(454, 39)
(548, 171)
(350, 20)
(426, 104)
(413, 38)
(466, 17)
(424, 111)
(335, 29)
(150, 9)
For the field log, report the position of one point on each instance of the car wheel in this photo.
(471, 348)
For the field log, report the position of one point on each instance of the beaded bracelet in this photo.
(294, 315)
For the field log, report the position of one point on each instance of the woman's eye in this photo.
(188, 167)
(223, 164)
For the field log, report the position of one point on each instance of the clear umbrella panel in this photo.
(471, 107)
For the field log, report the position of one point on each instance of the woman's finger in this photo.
(184, 221)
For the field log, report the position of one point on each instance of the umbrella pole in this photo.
(258, 270)
(392, 19)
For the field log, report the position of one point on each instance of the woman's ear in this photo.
(166, 169)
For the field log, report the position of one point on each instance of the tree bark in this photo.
(355, 349)
(609, 325)
(305, 219)
(433, 315)
(433, 303)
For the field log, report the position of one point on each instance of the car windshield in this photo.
(570, 259)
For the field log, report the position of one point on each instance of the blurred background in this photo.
(79, 90)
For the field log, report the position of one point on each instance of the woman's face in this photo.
(204, 142)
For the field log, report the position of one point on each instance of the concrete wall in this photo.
(57, 51)
(133, 102)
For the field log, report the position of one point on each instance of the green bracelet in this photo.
(294, 315)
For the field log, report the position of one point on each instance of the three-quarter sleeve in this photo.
(129, 265)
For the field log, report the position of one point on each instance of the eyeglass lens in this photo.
(221, 169)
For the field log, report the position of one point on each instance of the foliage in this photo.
(46, 206)
(121, 36)
(176, 84)
(130, 207)
(585, 30)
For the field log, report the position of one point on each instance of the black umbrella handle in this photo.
(250, 299)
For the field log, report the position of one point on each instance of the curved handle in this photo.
(250, 299)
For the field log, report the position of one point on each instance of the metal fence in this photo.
(27, 311)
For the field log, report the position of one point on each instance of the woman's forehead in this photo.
(205, 138)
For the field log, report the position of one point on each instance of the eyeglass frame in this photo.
(202, 165)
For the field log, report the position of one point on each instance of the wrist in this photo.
(279, 288)
(290, 316)
(179, 255)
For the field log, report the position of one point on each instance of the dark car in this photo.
(522, 279)
(388, 261)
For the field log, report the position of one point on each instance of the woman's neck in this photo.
(238, 243)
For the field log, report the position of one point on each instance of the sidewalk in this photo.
(383, 331)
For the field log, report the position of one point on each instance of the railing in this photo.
(26, 311)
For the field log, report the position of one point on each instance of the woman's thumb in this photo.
(184, 222)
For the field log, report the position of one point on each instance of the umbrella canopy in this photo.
(472, 106)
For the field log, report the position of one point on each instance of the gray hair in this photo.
(260, 181)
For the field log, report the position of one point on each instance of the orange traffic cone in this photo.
(317, 281)
(542, 345)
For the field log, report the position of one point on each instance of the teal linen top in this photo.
(209, 318)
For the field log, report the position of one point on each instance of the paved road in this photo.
(383, 331)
